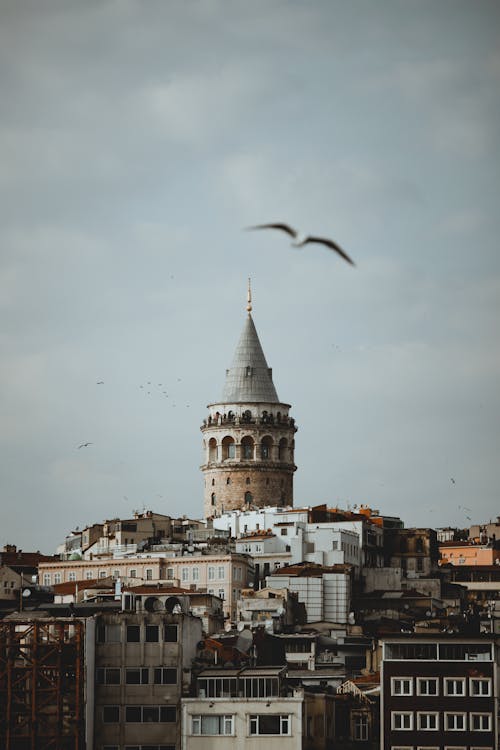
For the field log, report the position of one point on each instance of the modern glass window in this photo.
(427, 686)
(455, 722)
(454, 685)
(260, 687)
(269, 724)
(107, 676)
(137, 676)
(170, 633)
(165, 676)
(401, 686)
(480, 686)
(212, 725)
(402, 720)
(133, 634)
(465, 652)
(480, 722)
(428, 721)
(153, 714)
(111, 714)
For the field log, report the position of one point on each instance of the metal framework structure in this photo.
(42, 684)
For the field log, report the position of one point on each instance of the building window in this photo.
(269, 724)
(360, 728)
(212, 725)
(265, 448)
(111, 714)
(152, 634)
(228, 480)
(221, 593)
(149, 574)
(137, 676)
(102, 573)
(480, 722)
(89, 575)
(46, 579)
(133, 634)
(212, 498)
(72, 576)
(248, 498)
(147, 714)
(401, 686)
(427, 686)
(480, 686)
(454, 722)
(402, 720)
(428, 721)
(185, 574)
(284, 532)
(196, 574)
(116, 574)
(247, 448)
(108, 633)
(170, 633)
(221, 573)
(132, 573)
(454, 686)
(165, 676)
(211, 573)
(170, 574)
(107, 676)
(228, 448)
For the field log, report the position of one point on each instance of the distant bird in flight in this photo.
(85, 445)
(452, 480)
(100, 382)
(304, 240)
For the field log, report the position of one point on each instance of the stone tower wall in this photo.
(248, 457)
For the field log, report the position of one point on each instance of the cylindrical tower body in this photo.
(248, 437)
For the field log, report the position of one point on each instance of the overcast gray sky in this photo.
(137, 139)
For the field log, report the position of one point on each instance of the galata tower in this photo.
(248, 436)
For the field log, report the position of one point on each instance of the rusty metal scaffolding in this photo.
(41, 685)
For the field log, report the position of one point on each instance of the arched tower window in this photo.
(228, 448)
(246, 416)
(228, 480)
(212, 449)
(283, 449)
(213, 482)
(266, 445)
(248, 498)
(247, 481)
(212, 498)
(247, 448)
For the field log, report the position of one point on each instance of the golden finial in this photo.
(249, 298)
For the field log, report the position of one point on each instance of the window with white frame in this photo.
(46, 579)
(402, 720)
(237, 573)
(360, 727)
(57, 578)
(428, 721)
(401, 686)
(480, 686)
(261, 724)
(136, 676)
(170, 574)
(211, 573)
(102, 574)
(221, 573)
(132, 573)
(212, 725)
(185, 574)
(454, 686)
(196, 574)
(222, 593)
(89, 575)
(116, 573)
(149, 574)
(72, 575)
(480, 722)
(427, 686)
(455, 722)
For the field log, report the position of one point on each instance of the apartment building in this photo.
(439, 692)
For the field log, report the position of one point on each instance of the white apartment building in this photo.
(325, 593)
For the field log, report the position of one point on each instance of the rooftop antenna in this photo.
(249, 297)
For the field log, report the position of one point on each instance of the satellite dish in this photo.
(244, 642)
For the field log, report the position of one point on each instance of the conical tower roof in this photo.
(249, 379)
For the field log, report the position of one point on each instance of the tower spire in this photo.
(249, 297)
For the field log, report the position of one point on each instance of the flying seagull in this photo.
(100, 382)
(85, 445)
(304, 240)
